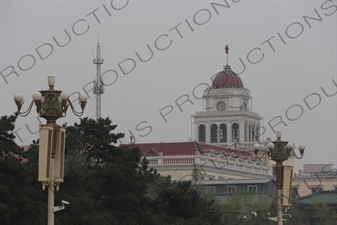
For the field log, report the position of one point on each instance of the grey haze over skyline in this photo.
(284, 51)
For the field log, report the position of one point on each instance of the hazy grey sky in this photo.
(288, 47)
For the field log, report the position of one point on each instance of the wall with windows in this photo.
(310, 184)
(232, 186)
(227, 132)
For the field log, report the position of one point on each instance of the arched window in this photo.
(202, 133)
(253, 133)
(223, 133)
(214, 133)
(235, 132)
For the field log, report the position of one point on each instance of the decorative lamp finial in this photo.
(227, 52)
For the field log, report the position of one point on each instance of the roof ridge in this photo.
(163, 142)
(317, 193)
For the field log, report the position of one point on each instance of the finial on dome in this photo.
(226, 51)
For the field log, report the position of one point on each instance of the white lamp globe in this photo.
(64, 95)
(83, 97)
(18, 97)
(37, 96)
(257, 146)
(290, 145)
(270, 145)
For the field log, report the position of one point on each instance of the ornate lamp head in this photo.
(51, 104)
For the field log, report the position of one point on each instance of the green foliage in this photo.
(93, 136)
(21, 198)
(237, 208)
(178, 203)
(104, 184)
(324, 215)
(7, 127)
(297, 215)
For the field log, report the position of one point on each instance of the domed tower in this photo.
(227, 119)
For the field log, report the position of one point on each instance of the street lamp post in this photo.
(279, 151)
(51, 104)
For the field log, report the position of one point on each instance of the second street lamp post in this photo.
(51, 104)
(279, 151)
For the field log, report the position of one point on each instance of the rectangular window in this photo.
(210, 189)
(221, 178)
(252, 188)
(211, 177)
(231, 189)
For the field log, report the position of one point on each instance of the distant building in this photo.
(201, 161)
(245, 192)
(227, 118)
(224, 134)
(232, 186)
(309, 168)
(314, 178)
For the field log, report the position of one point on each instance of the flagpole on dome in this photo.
(226, 51)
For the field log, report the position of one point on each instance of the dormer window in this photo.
(151, 153)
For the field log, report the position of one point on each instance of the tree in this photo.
(324, 215)
(20, 200)
(105, 184)
(120, 188)
(177, 203)
(240, 207)
(92, 136)
(7, 127)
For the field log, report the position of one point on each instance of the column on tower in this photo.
(242, 130)
(229, 131)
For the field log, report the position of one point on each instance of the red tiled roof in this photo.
(25, 147)
(219, 149)
(13, 155)
(227, 79)
(169, 148)
(184, 148)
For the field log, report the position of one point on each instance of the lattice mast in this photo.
(98, 83)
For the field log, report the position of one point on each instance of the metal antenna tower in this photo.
(98, 83)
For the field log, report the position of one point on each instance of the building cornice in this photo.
(202, 114)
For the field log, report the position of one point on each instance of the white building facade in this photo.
(227, 119)
(224, 135)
